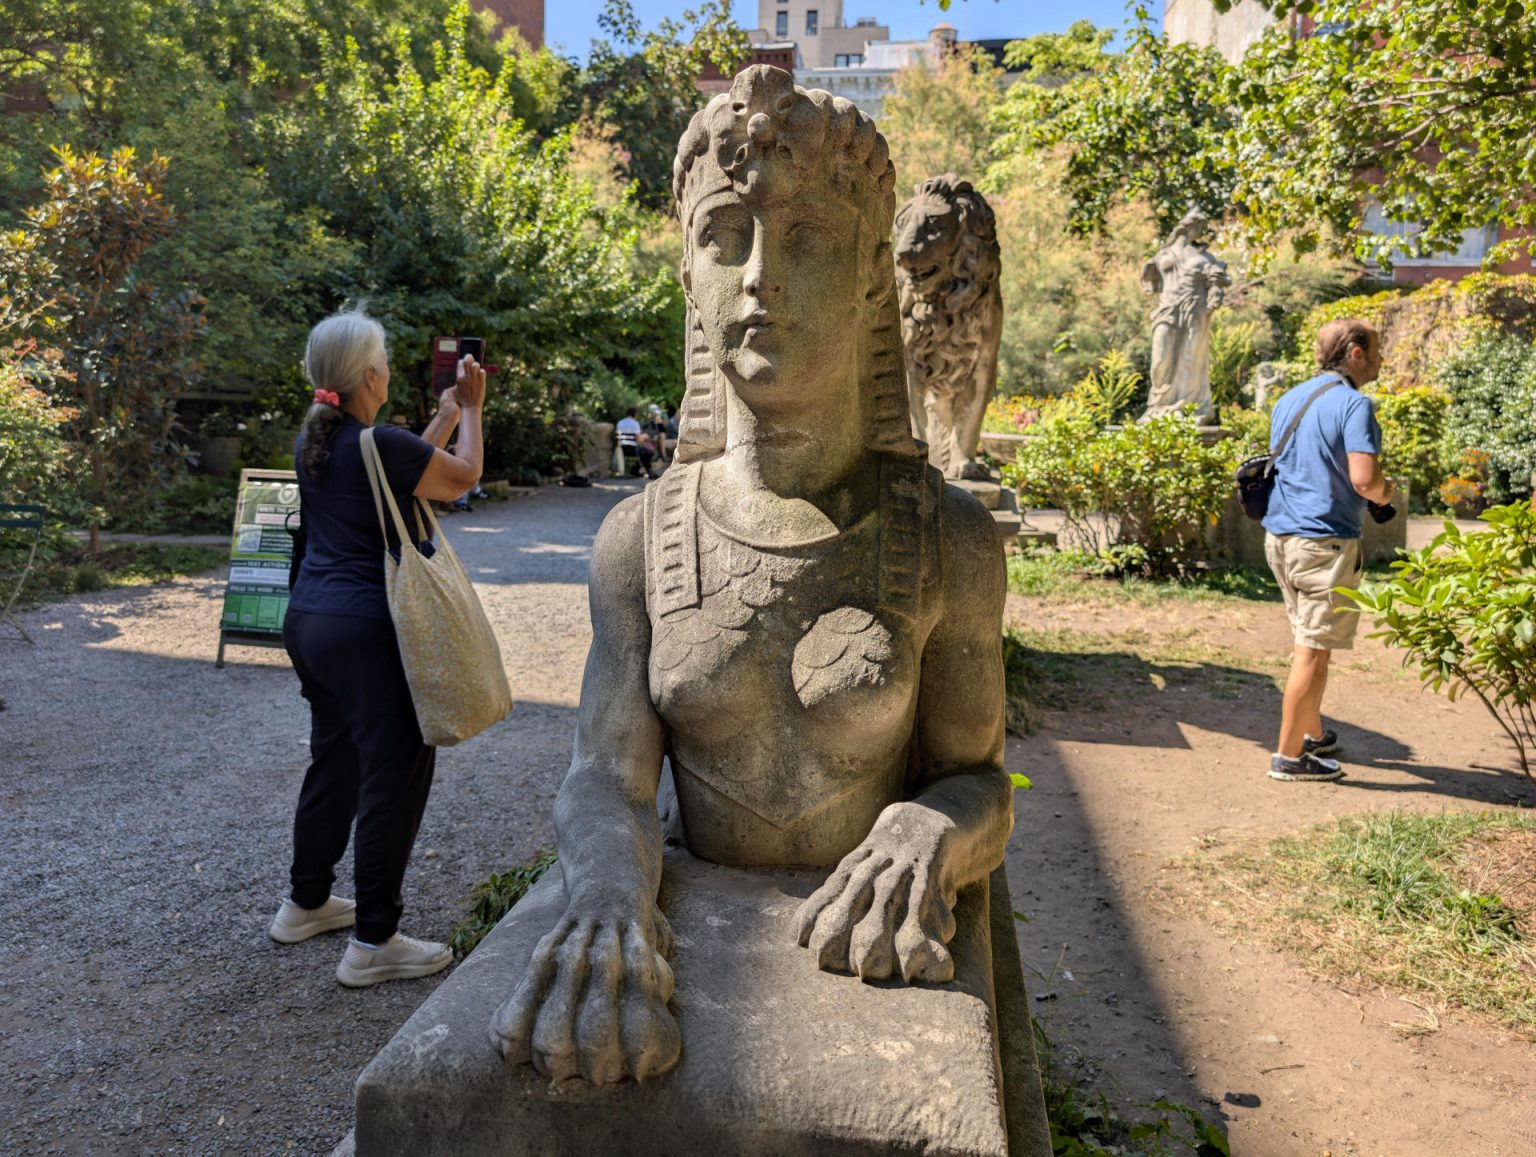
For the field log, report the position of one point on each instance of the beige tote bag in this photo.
(452, 661)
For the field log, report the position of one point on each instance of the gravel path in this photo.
(147, 802)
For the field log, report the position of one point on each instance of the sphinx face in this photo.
(776, 288)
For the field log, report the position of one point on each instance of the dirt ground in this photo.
(1161, 754)
(145, 800)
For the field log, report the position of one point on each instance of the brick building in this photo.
(527, 16)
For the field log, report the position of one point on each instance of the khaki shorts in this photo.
(1307, 570)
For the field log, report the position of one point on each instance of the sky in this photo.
(570, 25)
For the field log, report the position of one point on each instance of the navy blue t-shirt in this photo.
(343, 568)
(1313, 496)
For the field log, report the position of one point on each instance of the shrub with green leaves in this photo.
(1142, 496)
(32, 449)
(494, 898)
(1464, 611)
(1412, 430)
(1492, 384)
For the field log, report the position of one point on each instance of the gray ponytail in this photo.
(340, 348)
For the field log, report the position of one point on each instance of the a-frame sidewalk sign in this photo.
(260, 552)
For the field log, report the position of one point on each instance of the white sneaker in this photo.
(402, 958)
(293, 924)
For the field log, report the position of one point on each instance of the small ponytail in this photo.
(339, 350)
(320, 426)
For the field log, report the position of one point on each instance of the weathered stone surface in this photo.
(800, 617)
(1189, 283)
(948, 266)
(778, 1057)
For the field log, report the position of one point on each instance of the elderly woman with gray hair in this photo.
(369, 762)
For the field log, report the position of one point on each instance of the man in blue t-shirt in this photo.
(1327, 473)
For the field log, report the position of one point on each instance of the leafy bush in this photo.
(198, 504)
(1155, 486)
(1422, 328)
(1249, 430)
(32, 453)
(1492, 385)
(126, 347)
(494, 898)
(1464, 610)
(1412, 430)
(1108, 391)
(1235, 351)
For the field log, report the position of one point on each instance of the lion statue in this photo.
(947, 269)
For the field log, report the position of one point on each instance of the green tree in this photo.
(463, 222)
(127, 347)
(644, 83)
(32, 449)
(1426, 108)
(1055, 57)
(938, 119)
(1150, 123)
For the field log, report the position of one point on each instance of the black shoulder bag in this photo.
(1256, 476)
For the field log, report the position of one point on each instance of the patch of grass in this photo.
(1083, 1124)
(1020, 677)
(1076, 669)
(1394, 899)
(1070, 573)
(494, 898)
(62, 571)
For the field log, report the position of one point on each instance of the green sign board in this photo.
(260, 552)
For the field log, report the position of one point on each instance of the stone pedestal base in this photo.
(778, 1057)
(1239, 540)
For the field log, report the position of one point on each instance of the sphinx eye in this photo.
(806, 232)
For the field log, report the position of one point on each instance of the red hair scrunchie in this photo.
(328, 398)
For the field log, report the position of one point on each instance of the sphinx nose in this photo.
(762, 277)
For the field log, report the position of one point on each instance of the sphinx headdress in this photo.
(768, 139)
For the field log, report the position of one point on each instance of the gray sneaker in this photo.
(401, 958)
(293, 924)
(1306, 769)
(1328, 744)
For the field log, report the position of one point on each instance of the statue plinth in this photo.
(778, 1057)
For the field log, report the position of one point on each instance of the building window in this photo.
(781, 25)
(811, 20)
(1475, 242)
(848, 60)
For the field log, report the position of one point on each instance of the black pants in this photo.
(369, 763)
(643, 454)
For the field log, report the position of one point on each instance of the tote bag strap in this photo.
(374, 466)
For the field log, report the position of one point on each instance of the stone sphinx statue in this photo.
(947, 271)
(1189, 283)
(799, 617)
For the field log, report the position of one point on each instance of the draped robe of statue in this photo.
(1189, 284)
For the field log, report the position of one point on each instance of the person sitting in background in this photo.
(656, 430)
(638, 453)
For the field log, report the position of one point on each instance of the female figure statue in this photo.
(799, 616)
(1190, 283)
